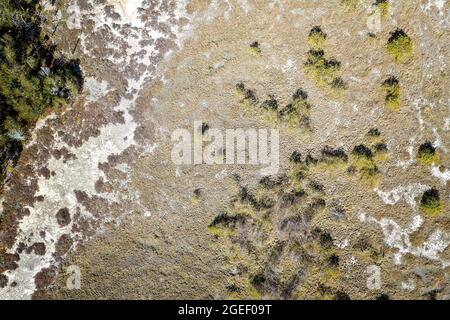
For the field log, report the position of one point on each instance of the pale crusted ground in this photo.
(136, 229)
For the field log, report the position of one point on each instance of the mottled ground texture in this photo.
(367, 188)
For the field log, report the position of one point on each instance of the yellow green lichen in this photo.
(296, 114)
(393, 95)
(316, 38)
(427, 154)
(324, 71)
(400, 46)
(430, 203)
(255, 49)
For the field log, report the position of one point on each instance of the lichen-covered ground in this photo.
(360, 93)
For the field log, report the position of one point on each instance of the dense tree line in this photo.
(34, 77)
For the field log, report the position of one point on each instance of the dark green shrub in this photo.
(34, 78)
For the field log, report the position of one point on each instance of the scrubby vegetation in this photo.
(34, 78)
(324, 71)
(271, 233)
(316, 38)
(255, 48)
(431, 203)
(271, 245)
(392, 87)
(400, 46)
(295, 114)
(427, 154)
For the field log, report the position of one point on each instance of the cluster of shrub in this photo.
(34, 77)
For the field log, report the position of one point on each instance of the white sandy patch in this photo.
(443, 176)
(128, 9)
(97, 89)
(408, 193)
(74, 17)
(399, 238)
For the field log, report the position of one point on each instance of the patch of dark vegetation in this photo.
(383, 296)
(233, 288)
(374, 132)
(316, 186)
(246, 197)
(333, 261)
(224, 219)
(63, 217)
(431, 202)
(329, 154)
(300, 94)
(291, 198)
(270, 182)
(258, 281)
(392, 88)
(8, 261)
(270, 104)
(3, 281)
(44, 278)
(430, 197)
(38, 249)
(362, 150)
(198, 192)
(427, 154)
(427, 148)
(338, 83)
(248, 94)
(325, 239)
(240, 87)
(325, 71)
(296, 157)
(310, 160)
(399, 45)
(341, 295)
(255, 47)
(313, 208)
(291, 224)
(337, 212)
(317, 30)
(381, 147)
(34, 77)
(297, 113)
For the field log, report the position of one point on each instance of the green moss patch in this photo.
(430, 203)
(323, 70)
(400, 46)
(297, 113)
(316, 38)
(363, 163)
(255, 49)
(427, 154)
